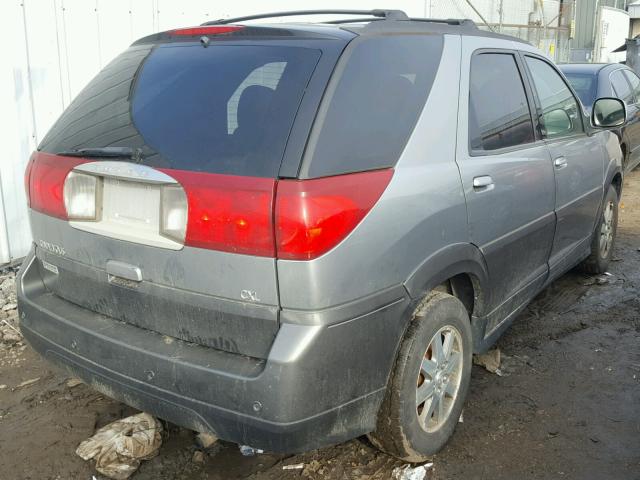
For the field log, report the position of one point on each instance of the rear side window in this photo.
(621, 86)
(372, 104)
(635, 85)
(222, 109)
(561, 115)
(499, 115)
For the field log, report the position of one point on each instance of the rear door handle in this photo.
(560, 162)
(482, 183)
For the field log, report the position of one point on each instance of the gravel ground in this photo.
(568, 405)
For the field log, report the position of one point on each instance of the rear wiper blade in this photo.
(105, 152)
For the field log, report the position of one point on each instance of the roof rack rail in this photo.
(379, 14)
(461, 22)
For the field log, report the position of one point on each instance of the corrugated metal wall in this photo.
(586, 12)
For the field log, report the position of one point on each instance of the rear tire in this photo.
(604, 235)
(429, 382)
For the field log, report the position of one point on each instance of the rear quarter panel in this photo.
(422, 211)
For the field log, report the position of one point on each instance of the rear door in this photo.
(213, 122)
(578, 163)
(507, 177)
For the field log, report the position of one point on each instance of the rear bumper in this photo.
(321, 384)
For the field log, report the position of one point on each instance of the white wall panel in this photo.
(141, 20)
(17, 134)
(114, 27)
(44, 63)
(81, 41)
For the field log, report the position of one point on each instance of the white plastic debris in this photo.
(603, 279)
(205, 440)
(118, 448)
(295, 466)
(490, 361)
(248, 451)
(198, 457)
(9, 334)
(408, 472)
(26, 383)
(73, 382)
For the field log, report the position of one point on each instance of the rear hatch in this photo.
(152, 196)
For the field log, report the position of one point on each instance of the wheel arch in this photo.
(459, 267)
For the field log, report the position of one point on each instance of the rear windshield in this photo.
(221, 109)
(372, 104)
(585, 85)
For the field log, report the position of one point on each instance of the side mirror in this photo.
(608, 113)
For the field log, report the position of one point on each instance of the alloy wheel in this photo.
(606, 230)
(439, 378)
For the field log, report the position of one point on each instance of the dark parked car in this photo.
(291, 235)
(596, 80)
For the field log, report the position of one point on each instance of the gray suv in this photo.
(290, 235)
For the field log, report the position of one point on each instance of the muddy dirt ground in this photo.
(568, 406)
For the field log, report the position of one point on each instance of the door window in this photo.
(499, 115)
(621, 87)
(561, 114)
(635, 84)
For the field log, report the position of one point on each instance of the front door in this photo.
(578, 163)
(507, 176)
(633, 117)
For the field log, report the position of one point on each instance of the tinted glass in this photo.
(499, 114)
(635, 84)
(372, 107)
(585, 85)
(621, 86)
(561, 115)
(222, 109)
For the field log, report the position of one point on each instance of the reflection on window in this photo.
(621, 87)
(561, 114)
(585, 85)
(635, 84)
(268, 75)
(499, 114)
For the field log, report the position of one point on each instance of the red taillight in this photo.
(47, 174)
(228, 213)
(206, 30)
(313, 216)
(287, 219)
